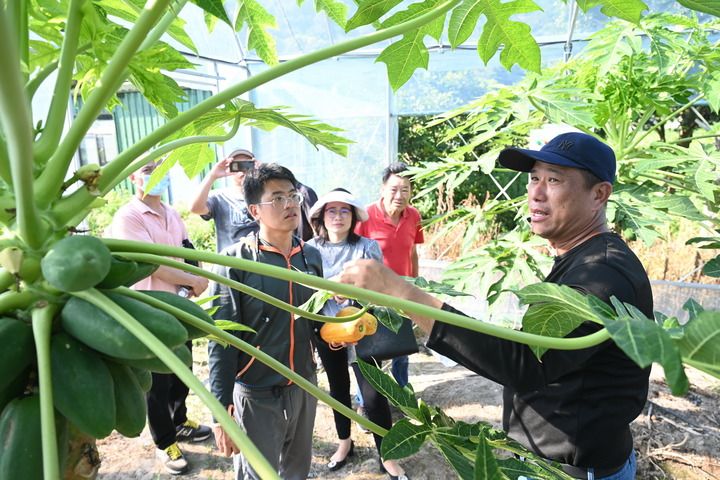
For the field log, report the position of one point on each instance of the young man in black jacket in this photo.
(573, 407)
(277, 415)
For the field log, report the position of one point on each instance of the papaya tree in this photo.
(81, 343)
(631, 85)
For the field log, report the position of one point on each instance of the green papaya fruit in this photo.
(18, 349)
(143, 270)
(120, 271)
(130, 405)
(15, 388)
(185, 305)
(76, 263)
(82, 386)
(144, 378)
(21, 439)
(156, 365)
(103, 333)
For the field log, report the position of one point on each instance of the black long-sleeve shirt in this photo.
(573, 407)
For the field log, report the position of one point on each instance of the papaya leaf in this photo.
(519, 46)
(316, 301)
(369, 11)
(486, 466)
(406, 55)
(693, 309)
(459, 462)
(516, 468)
(645, 342)
(712, 267)
(550, 320)
(436, 288)
(388, 317)
(228, 325)
(708, 242)
(214, 8)
(387, 387)
(403, 57)
(258, 20)
(403, 439)
(316, 132)
(425, 414)
(711, 7)
(194, 158)
(711, 88)
(130, 10)
(700, 345)
(630, 10)
(463, 20)
(334, 9)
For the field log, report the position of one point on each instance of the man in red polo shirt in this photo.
(396, 227)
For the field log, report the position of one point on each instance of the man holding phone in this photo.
(227, 206)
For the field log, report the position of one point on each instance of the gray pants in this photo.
(280, 423)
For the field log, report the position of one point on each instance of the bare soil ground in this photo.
(676, 437)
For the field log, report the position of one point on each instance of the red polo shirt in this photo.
(396, 241)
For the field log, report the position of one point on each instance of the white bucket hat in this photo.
(339, 196)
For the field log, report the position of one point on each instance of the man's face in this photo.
(395, 193)
(276, 210)
(561, 205)
(138, 177)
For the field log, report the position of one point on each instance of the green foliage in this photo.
(468, 448)
(92, 48)
(631, 91)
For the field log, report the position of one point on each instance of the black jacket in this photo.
(279, 334)
(575, 406)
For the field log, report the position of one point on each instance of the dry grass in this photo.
(669, 258)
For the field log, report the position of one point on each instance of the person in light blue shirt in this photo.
(334, 218)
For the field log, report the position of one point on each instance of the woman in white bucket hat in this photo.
(334, 218)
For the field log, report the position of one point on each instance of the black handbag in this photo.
(385, 344)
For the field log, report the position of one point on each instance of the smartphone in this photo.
(242, 165)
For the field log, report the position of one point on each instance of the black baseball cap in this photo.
(574, 149)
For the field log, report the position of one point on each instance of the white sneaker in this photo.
(172, 459)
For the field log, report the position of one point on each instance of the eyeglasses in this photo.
(338, 212)
(281, 202)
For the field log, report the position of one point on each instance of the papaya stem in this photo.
(42, 318)
(55, 120)
(173, 145)
(16, 125)
(112, 169)
(163, 24)
(51, 179)
(245, 347)
(351, 291)
(71, 210)
(250, 451)
(160, 260)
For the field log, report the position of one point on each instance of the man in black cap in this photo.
(573, 407)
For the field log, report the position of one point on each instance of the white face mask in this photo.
(159, 187)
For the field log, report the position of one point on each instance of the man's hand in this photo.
(198, 285)
(373, 275)
(221, 169)
(223, 442)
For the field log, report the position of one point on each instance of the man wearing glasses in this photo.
(277, 415)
